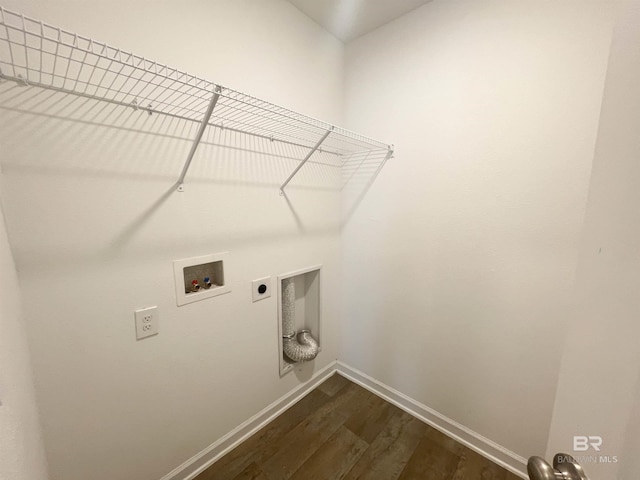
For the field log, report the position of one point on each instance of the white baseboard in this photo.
(203, 460)
(473, 440)
(476, 442)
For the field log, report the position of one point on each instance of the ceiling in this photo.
(348, 19)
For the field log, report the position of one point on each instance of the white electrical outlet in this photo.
(146, 322)
(261, 288)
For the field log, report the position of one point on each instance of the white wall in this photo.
(598, 386)
(21, 449)
(459, 262)
(95, 226)
(629, 460)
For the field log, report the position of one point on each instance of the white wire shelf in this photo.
(38, 55)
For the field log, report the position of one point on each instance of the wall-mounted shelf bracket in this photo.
(388, 156)
(311, 152)
(19, 79)
(196, 141)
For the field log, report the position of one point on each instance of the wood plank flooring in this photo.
(342, 431)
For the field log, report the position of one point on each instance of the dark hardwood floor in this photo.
(342, 431)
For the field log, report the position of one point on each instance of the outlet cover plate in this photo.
(146, 322)
(255, 288)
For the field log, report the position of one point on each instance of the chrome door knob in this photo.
(565, 467)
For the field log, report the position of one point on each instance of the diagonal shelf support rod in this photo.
(196, 141)
(311, 152)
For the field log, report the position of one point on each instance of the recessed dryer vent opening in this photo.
(200, 277)
(298, 317)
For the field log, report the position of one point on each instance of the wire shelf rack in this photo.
(35, 54)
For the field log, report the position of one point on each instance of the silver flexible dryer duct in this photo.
(298, 348)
